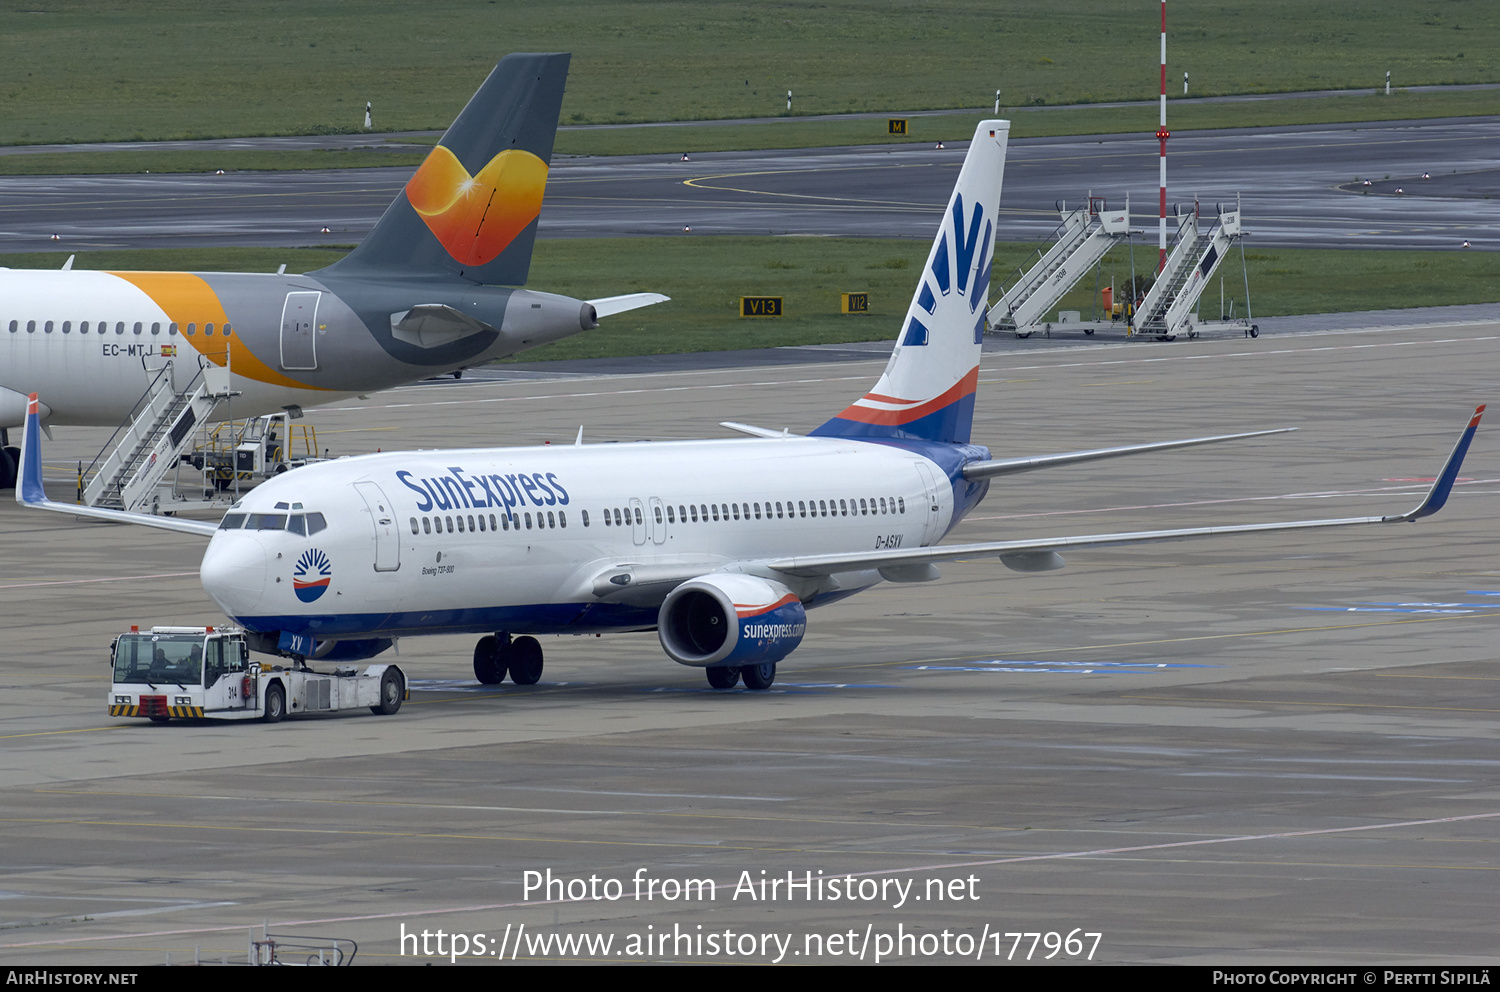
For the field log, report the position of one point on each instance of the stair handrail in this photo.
(129, 421)
(142, 409)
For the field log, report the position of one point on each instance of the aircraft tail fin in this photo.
(927, 391)
(471, 208)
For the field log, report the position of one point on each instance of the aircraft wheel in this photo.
(759, 676)
(489, 663)
(723, 676)
(391, 691)
(8, 469)
(275, 704)
(525, 661)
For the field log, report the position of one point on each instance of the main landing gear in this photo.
(497, 654)
(755, 676)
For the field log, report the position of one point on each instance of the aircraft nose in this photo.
(233, 572)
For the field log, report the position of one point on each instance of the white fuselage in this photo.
(89, 342)
(411, 543)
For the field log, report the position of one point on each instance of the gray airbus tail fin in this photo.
(471, 209)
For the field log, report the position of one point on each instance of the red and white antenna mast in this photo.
(1161, 135)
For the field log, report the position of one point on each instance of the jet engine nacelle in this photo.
(730, 619)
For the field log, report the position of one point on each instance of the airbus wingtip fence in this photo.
(1437, 496)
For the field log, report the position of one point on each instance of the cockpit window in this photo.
(297, 523)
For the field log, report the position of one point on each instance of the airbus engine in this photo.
(730, 619)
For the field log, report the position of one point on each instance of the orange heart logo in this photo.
(476, 217)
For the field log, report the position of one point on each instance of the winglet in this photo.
(1443, 484)
(29, 491)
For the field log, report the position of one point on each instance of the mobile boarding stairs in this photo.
(169, 428)
(1085, 236)
(1081, 243)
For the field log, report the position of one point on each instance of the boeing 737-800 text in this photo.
(720, 546)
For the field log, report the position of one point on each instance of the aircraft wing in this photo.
(611, 305)
(1010, 466)
(29, 491)
(1040, 554)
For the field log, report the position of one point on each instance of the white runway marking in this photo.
(915, 869)
(764, 382)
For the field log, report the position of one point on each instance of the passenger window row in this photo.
(102, 327)
(617, 516)
(482, 524)
(706, 512)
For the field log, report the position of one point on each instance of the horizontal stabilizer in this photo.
(1010, 466)
(754, 431)
(612, 305)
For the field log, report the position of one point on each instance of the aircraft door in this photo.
(387, 540)
(637, 521)
(223, 675)
(299, 331)
(930, 508)
(657, 521)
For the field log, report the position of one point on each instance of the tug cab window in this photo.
(159, 659)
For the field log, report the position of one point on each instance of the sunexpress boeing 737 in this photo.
(424, 294)
(720, 546)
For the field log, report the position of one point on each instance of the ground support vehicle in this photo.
(204, 672)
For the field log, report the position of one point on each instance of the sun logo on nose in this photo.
(477, 217)
(312, 574)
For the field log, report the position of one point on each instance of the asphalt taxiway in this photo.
(1263, 749)
(1301, 187)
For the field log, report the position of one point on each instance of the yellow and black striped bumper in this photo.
(181, 712)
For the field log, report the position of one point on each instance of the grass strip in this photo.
(706, 276)
(1027, 122)
(107, 70)
(151, 160)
